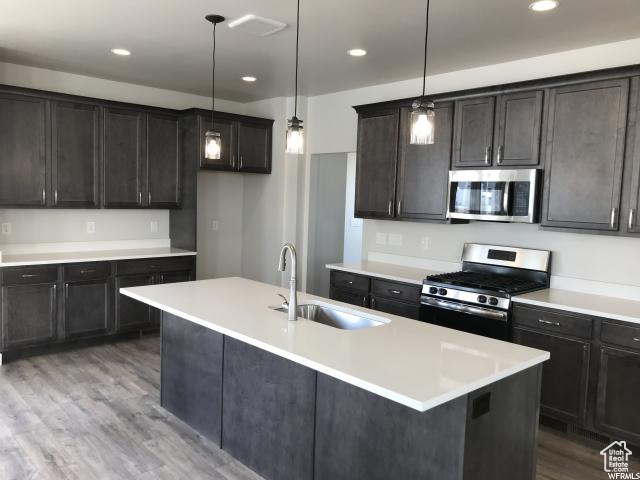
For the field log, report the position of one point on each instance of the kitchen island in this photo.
(304, 400)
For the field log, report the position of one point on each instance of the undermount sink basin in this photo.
(333, 317)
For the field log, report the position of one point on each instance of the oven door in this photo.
(467, 318)
(493, 195)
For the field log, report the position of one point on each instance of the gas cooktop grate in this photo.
(486, 281)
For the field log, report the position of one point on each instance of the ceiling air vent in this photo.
(256, 25)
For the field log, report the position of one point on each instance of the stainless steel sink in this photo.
(333, 317)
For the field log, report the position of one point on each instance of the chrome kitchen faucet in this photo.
(282, 265)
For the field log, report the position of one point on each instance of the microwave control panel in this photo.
(520, 205)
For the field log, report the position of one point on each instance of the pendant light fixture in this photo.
(212, 139)
(423, 114)
(295, 131)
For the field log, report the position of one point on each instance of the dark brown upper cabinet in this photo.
(423, 169)
(254, 146)
(473, 133)
(75, 154)
(377, 158)
(122, 146)
(584, 152)
(517, 129)
(163, 161)
(226, 129)
(246, 142)
(23, 151)
(631, 215)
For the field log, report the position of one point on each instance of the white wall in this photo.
(590, 257)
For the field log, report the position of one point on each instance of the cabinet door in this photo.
(518, 124)
(583, 155)
(618, 393)
(23, 162)
(75, 154)
(176, 277)
(347, 296)
(564, 375)
(28, 315)
(423, 170)
(473, 132)
(409, 310)
(86, 308)
(226, 128)
(163, 163)
(132, 314)
(632, 222)
(376, 163)
(122, 145)
(254, 147)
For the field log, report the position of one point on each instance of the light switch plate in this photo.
(153, 226)
(381, 238)
(395, 239)
(215, 225)
(6, 228)
(91, 227)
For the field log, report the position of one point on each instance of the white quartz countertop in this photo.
(584, 303)
(24, 259)
(387, 271)
(416, 364)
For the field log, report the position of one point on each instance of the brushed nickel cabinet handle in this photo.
(395, 292)
(349, 282)
(55, 197)
(390, 207)
(44, 196)
(373, 302)
(364, 301)
(89, 270)
(29, 275)
(139, 198)
(614, 215)
(631, 213)
(548, 322)
(399, 207)
(636, 339)
(149, 198)
(487, 155)
(500, 155)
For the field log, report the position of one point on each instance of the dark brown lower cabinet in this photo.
(564, 376)
(132, 314)
(349, 296)
(29, 314)
(619, 394)
(394, 307)
(87, 308)
(176, 277)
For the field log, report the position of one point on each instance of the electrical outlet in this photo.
(215, 225)
(424, 243)
(153, 226)
(356, 222)
(91, 227)
(395, 239)
(381, 238)
(6, 228)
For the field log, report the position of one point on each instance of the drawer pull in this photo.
(364, 301)
(154, 267)
(30, 275)
(636, 339)
(89, 270)
(549, 322)
(395, 292)
(349, 282)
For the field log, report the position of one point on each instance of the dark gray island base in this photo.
(287, 421)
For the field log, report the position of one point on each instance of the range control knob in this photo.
(482, 299)
(433, 290)
(442, 291)
(493, 301)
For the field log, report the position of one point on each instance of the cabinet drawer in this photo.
(350, 281)
(86, 271)
(623, 335)
(552, 321)
(396, 291)
(349, 296)
(30, 275)
(153, 265)
(403, 309)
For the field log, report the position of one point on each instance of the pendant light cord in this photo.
(426, 40)
(213, 76)
(295, 107)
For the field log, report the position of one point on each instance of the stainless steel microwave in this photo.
(494, 195)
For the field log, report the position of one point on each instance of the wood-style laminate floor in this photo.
(94, 413)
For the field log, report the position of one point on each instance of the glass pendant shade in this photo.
(295, 136)
(423, 117)
(212, 145)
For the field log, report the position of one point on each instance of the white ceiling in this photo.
(171, 41)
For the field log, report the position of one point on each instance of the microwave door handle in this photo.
(464, 308)
(505, 198)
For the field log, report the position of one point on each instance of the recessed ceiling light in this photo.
(121, 51)
(543, 5)
(357, 52)
(249, 78)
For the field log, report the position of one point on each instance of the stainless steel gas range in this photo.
(477, 299)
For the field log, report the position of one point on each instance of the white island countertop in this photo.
(388, 271)
(416, 364)
(24, 259)
(583, 303)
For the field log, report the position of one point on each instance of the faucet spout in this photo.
(282, 265)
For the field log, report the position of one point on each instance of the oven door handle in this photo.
(464, 308)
